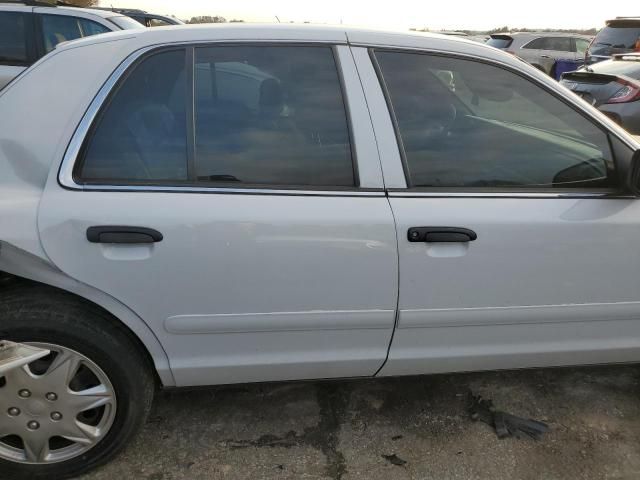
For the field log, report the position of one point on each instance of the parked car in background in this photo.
(147, 19)
(256, 203)
(613, 86)
(620, 35)
(474, 38)
(542, 50)
(453, 33)
(29, 30)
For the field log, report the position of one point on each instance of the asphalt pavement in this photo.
(403, 428)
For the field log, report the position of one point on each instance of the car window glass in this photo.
(59, 28)
(560, 44)
(140, 137)
(619, 36)
(156, 22)
(13, 41)
(89, 27)
(537, 44)
(500, 41)
(141, 20)
(581, 45)
(484, 126)
(271, 115)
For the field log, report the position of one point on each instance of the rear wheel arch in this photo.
(27, 274)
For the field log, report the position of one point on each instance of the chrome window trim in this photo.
(373, 192)
(65, 173)
(532, 195)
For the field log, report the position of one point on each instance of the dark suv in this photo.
(621, 35)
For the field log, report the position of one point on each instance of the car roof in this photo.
(540, 34)
(135, 40)
(284, 32)
(623, 19)
(93, 11)
(18, 6)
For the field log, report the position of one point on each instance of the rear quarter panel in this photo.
(8, 73)
(38, 114)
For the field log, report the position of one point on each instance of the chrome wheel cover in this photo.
(54, 409)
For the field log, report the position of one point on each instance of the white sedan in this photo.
(227, 204)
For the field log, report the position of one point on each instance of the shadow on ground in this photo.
(344, 430)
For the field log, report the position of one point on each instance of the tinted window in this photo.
(468, 124)
(581, 46)
(627, 37)
(126, 23)
(271, 115)
(59, 28)
(537, 44)
(142, 20)
(13, 44)
(91, 28)
(561, 44)
(141, 134)
(500, 42)
(156, 22)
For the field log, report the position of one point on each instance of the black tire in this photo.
(42, 314)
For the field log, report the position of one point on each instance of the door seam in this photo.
(397, 315)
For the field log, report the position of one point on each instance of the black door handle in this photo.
(441, 234)
(122, 234)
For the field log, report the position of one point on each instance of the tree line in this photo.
(506, 29)
(212, 19)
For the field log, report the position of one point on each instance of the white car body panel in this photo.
(277, 285)
(286, 314)
(8, 73)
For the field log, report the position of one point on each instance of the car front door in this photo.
(516, 241)
(223, 194)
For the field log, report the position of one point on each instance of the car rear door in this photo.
(223, 193)
(516, 240)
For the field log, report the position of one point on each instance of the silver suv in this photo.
(29, 30)
(542, 50)
(260, 203)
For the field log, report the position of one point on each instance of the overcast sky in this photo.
(402, 14)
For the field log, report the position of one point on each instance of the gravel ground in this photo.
(343, 429)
